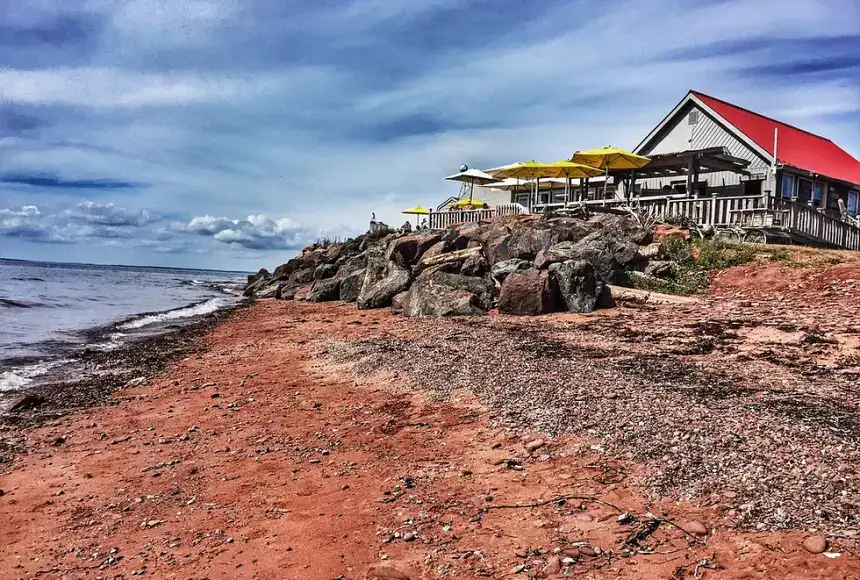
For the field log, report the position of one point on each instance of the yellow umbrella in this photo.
(607, 158)
(461, 203)
(529, 170)
(417, 210)
(571, 170)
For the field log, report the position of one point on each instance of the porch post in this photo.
(690, 177)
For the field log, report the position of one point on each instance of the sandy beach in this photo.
(289, 447)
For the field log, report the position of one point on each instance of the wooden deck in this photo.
(756, 218)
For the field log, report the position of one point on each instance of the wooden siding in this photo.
(682, 136)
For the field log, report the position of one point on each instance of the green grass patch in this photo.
(696, 260)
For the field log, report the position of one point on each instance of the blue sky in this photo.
(229, 133)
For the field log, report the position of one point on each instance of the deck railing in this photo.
(442, 219)
(807, 221)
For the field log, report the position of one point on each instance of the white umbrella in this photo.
(472, 176)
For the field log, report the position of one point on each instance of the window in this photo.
(693, 117)
(853, 203)
(817, 191)
(787, 186)
(804, 189)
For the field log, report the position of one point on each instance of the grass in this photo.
(696, 260)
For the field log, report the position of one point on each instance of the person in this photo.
(406, 228)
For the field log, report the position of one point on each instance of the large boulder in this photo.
(324, 290)
(526, 242)
(436, 249)
(556, 253)
(257, 285)
(527, 293)
(443, 294)
(302, 276)
(325, 271)
(351, 263)
(569, 230)
(378, 294)
(406, 251)
(661, 268)
(271, 289)
(497, 249)
(579, 286)
(622, 226)
(350, 285)
(284, 270)
(505, 268)
(457, 257)
(609, 254)
(467, 233)
(475, 265)
(286, 292)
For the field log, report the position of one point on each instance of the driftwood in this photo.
(621, 294)
(456, 256)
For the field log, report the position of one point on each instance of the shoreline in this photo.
(268, 453)
(88, 379)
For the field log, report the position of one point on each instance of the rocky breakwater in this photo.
(523, 265)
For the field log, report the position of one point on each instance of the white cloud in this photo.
(258, 232)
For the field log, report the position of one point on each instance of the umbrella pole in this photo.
(605, 183)
(471, 190)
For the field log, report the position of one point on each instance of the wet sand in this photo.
(259, 457)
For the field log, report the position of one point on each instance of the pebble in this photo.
(815, 544)
(521, 554)
(408, 537)
(518, 569)
(535, 445)
(587, 551)
(570, 553)
(553, 565)
(386, 573)
(567, 561)
(696, 528)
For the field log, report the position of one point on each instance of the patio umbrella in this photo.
(472, 176)
(417, 210)
(461, 203)
(529, 170)
(607, 158)
(571, 170)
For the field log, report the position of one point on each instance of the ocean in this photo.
(49, 312)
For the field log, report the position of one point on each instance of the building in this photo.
(784, 161)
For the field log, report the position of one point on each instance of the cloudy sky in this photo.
(229, 133)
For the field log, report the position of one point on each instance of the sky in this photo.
(232, 133)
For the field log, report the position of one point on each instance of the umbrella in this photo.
(607, 158)
(417, 210)
(472, 176)
(571, 170)
(495, 170)
(529, 170)
(461, 203)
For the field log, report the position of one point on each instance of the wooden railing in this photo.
(442, 219)
(750, 212)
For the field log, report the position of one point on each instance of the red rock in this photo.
(553, 565)
(521, 553)
(535, 445)
(571, 553)
(587, 551)
(386, 573)
(815, 544)
(696, 528)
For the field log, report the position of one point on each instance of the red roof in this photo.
(795, 147)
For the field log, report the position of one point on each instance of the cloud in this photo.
(87, 220)
(54, 181)
(327, 112)
(258, 232)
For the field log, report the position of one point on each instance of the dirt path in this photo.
(258, 459)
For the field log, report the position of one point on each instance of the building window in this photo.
(853, 203)
(804, 189)
(787, 186)
(817, 191)
(693, 117)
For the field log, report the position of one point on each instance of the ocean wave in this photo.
(199, 309)
(29, 279)
(9, 303)
(22, 377)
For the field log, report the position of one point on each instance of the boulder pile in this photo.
(523, 265)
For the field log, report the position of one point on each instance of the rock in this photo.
(24, 402)
(503, 269)
(258, 284)
(333, 252)
(466, 233)
(379, 294)
(436, 249)
(398, 301)
(324, 290)
(270, 290)
(695, 528)
(386, 573)
(650, 252)
(572, 552)
(475, 265)
(443, 294)
(407, 250)
(457, 257)
(622, 227)
(497, 249)
(287, 292)
(302, 276)
(302, 292)
(409, 537)
(325, 271)
(569, 230)
(553, 255)
(527, 293)
(553, 565)
(609, 254)
(587, 551)
(350, 285)
(521, 553)
(665, 232)
(578, 285)
(661, 269)
(284, 270)
(349, 264)
(525, 243)
(815, 544)
(534, 445)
